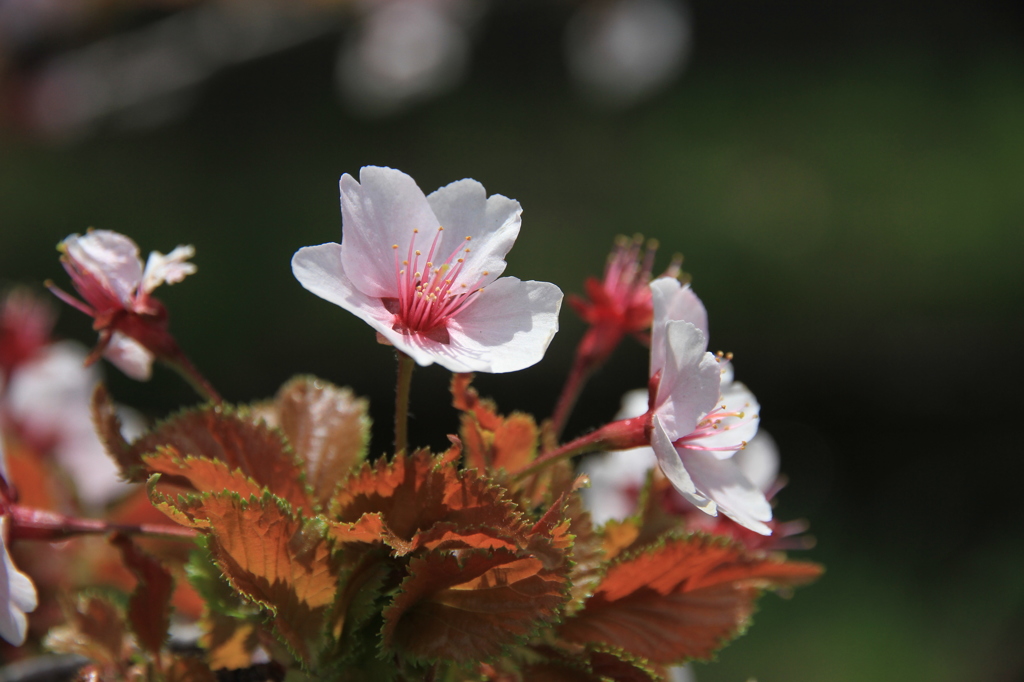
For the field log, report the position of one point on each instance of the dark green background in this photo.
(846, 181)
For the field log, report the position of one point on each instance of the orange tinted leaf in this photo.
(492, 441)
(466, 399)
(187, 510)
(328, 428)
(618, 535)
(469, 607)
(449, 536)
(205, 475)
(149, 608)
(679, 600)
(229, 642)
(218, 433)
(369, 528)
(413, 493)
(277, 560)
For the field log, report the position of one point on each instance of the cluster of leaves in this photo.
(419, 566)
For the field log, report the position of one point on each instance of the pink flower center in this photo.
(712, 425)
(626, 276)
(430, 293)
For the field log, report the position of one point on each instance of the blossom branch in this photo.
(39, 524)
(619, 435)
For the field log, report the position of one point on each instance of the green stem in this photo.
(405, 367)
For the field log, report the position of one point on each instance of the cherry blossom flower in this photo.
(698, 421)
(620, 304)
(616, 479)
(424, 272)
(106, 270)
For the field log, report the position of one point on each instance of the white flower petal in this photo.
(689, 387)
(379, 211)
(171, 268)
(129, 356)
(634, 404)
(671, 302)
(733, 431)
(111, 258)
(17, 595)
(507, 328)
(736, 496)
(674, 469)
(319, 270)
(759, 461)
(492, 223)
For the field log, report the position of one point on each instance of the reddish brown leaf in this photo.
(589, 665)
(277, 560)
(108, 428)
(492, 441)
(149, 608)
(229, 642)
(470, 606)
(204, 475)
(217, 433)
(95, 629)
(187, 510)
(679, 600)
(328, 429)
(187, 669)
(416, 492)
(588, 554)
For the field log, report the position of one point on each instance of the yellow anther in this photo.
(394, 246)
(469, 239)
(418, 252)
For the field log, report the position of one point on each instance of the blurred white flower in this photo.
(48, 398)
(617, 477)
(403, 51)
(622, 51)
(17, 593)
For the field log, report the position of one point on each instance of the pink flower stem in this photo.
(581, 371)
(619, 435)
(593, 351)
(405, 367)
(39, 524)
(184, 367)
